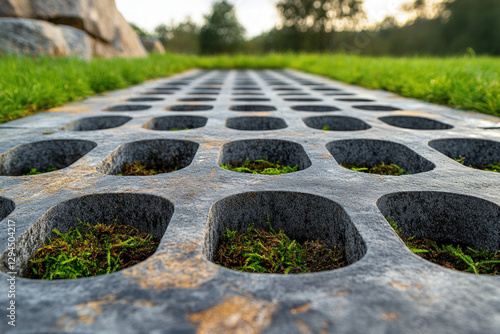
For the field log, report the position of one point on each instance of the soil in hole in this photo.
(381, 168)
(86, 251)
(270, 251)
(259, 167)
(34, 171)
(493, 167)
(450, 254)
(136, 168)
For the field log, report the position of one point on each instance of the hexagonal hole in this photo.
(43, 155)
(336, 123)
(96, 123)
(252, 107)
(190, 107)
(145, 99)
(446, 219)
(197, 99)
(6, 207)
(315, 108)
(273, 150)
(302, 99)
(128, 107)
(301, 216)
(325, 89)
(248, 94)
(355, 100)
(167, 88)
(376, 108)
(147, 213)
(255, 123)
(359, 152)
(175, 123)
(476, 153)
(415, 123)
(155, 154)
(294, 94)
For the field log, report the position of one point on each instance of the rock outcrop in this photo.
(152, 45)
(103, 30)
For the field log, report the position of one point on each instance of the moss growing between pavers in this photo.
(381, 168)
(492, 167)
(451, 255)
(270, 251)
(86, 251)
(137, 168)
(178, 129)
(259, 167)
(34, 171)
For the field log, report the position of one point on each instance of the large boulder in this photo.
(32, 37)
(79, 42)
(152, 45)
(16, 8)
(98, 18)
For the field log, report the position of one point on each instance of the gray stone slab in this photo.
(384, 289)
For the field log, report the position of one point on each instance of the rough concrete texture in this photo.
(384, 289)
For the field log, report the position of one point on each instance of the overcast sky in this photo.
(256, 16)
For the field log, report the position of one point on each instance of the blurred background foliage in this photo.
(431, 28)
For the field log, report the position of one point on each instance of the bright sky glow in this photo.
(256, 16)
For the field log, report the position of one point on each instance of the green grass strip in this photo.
(30, 85)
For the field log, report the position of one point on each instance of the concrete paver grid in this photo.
(233, 115)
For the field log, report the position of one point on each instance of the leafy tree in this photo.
(313, 22)
(222, 33)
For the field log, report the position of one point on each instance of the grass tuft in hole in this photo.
(34, 171)
(271, 251)
(381, 168)
(86, 251)
(493, 167)
(136, 168)
(259, 167)
(451, 255)
(326, 128)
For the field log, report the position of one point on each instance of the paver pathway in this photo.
(233, 115)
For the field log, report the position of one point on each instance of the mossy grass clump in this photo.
(326, 128)
(260, 166)
(178, 129)
(87, 250)
(492, 167)
(381, 168)
(34, 171)
(137, 168)
(451, 255)
(271, 251)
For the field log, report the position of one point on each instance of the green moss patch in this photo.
(34, 171)
(270, 251)
(86, 251)
(178, 129)
(492, 167)
(260, 167)
(451, 255)
(326, 128)
(381, 168)
(136, 168)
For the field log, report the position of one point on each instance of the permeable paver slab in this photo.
(233, 115)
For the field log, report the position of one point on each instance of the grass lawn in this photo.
(31, 85)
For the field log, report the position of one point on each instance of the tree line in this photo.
(446, 27)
